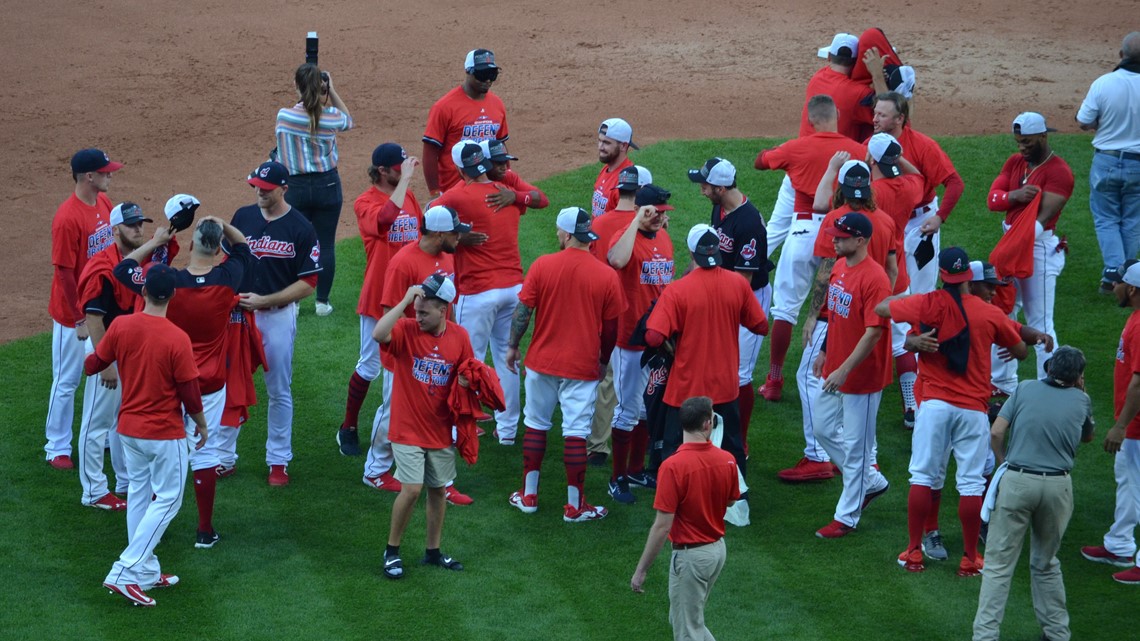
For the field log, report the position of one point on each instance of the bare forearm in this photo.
(819, 288)
(519, 324)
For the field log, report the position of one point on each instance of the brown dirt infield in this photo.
(185, 93)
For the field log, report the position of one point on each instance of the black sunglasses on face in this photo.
(486, 75)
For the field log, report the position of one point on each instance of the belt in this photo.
(1116, 153)
(1036, 472)
(923, 210)
(808, 216)
(690, 546)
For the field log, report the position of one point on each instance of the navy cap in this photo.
(851, 225)
(159, 283)
(269, 175)
(954, 265)
(388, 154)
(497, 151)
(86, 160)
(475, 164)
(628, 179)
(653, 195)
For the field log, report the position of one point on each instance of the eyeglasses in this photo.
(486, 75)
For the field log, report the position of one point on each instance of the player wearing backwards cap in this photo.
(805, 160)
(1034, 169)
(955, 399)
(512, 188)
(388, 216)
(1123, 439)
(488, 270)
(854, 363)
(892, 116)
(104, 299)
(576, 301)
(425, 353)
(160, 382)
(642, 254)
(702, 313)
(79, 230)
(432, 255)
(615, 138)
(202, 310)
(467, 112)
(743, 249)
(288, 261)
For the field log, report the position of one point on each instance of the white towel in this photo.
(991, 493)
(737, 514)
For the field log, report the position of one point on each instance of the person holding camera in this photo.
(306, 145)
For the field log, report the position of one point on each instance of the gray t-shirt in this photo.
(1046, 423)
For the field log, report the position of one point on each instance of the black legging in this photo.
(319, 198)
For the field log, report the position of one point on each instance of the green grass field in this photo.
(303, 562)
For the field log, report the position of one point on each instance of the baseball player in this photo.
(805, 160)
(620, 214)
(743, 249)
(873, 41)
(288, 261)
(388, 216)
(488, 270)
(160, 382)
(467, 112)
(1034, 169)
(425, 353)
(851, 96)
(80, 229)
(104, 299)
(587, 323)
(892, 116)
(615, 139)
(955, 399)
(642, 254)
(202, 310)
(855, 366)
(512, 188)
(412, 265)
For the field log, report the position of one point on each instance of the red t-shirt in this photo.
(78, 232)
(707, 307)
(605, 226)
(644, 277)
(1053, 176)
(695, 485)
(988, 326)
(424, 368)
(496, 263)
(852, 99)
(851, 300)
(1127, 364)
(411, 266)
(805, 160)
(884, 236)
(456, 117)
(572, 295)
(381, 242)
(925, 154)
(605, 188)
(153, 356)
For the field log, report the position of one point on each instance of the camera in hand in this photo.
(311, 45)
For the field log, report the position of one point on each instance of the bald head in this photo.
(1130, 47)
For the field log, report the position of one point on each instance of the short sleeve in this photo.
(65, 238)
(1008, 332)
(877, 290)
(398, 344)
(308, 253)
(667, 497)
(528, 295)
(663, 319)
(751, 314)
(1090, 109)
(436, 130)
(184, 368)
(615, 302)
(823, 247)
(107, 347)
(908, 310)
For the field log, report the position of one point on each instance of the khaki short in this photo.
(420, 466)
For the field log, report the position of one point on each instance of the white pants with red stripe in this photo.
(1035, 296)
(368, 365)
(795, 271)
(66, 372)
(780, 223)
(380, 458)
(576, 398)
(845, 427)
(96, 434)
(278, 333)
(213, 406)
(810, 387)
(1121, 537)
(940, 428)
(922, 281)
(487, 318)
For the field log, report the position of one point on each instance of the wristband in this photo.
(523, 196)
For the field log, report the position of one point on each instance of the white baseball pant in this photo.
(940, 428)
(156, 468)
(630, 379)
(278, 333)
(749, 343)
(810, 387)
(487, 318)
(922, 281)
(368, 364)
(782, 213)
(576, 398)
(380, 458)
(66, 372)
(225, 442)
(845, 427)
(97, 433)
(213, 406)
(795, 271)
(1120, 538)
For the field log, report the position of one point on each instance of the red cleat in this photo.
(62, 462)
(455, 497)
(385, 482)
(969, 568)
(109, 501)
(1128, 577)
(834, 530)
(771, 389)
(807, 470)
(911, 560)
(278, 477)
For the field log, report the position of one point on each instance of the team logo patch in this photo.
(748, 252)
(137, 276)
(315, 255)
(264, 173)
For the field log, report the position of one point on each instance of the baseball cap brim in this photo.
(837, 232)
(695, 176)
(262, 184)
(954, 279)
(111, 167)
(664, 207)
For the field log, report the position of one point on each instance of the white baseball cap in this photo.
(179, 202)
(444, 218)
(439, 286)
(1030, 123)
(457, 151)
(643, 176)
(576, 222)
(1132, 275)
(901, 80)
(617, 129)
(715, 171)
(704, 243)
(838, 43)
(886, 151)
(127, 213)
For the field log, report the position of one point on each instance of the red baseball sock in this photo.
(205, 486)
(575, 458)
(917, 507)
(357, 390)
(534, 450)
(779, 339)
(622, 441)
(638, 447)
(746, 401)
(935, 505)
(970, 513)
(906, 367)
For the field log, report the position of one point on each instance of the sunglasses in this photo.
(486, 75)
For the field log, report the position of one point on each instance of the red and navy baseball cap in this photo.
(954, 266)
(388, 154)
(855, 179)
(851, 225)
(88, 160)
(269, 175)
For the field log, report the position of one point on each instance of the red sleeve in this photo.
(666, 499)
(663, 319)
(1008, 333)
(66, 236)
(609, 339)
(770, 159)
(909, 310)
(92, 365)
(386, 216)
(999, 190)
(523, 191)
(1060, 180)
(654, 338)
(615, 299)
(311, 279)
(70, 291)
(435, 133)
(823, 245)
(954, 187)
(528, 295)
(191, 396)
(752, 315)
(879, 289)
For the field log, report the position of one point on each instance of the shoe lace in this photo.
(935, 539)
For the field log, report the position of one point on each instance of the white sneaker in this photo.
(324, 309)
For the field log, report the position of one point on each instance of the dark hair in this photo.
(308, 80)
(694, 412)
(208, 236)
(1066, 366)
(821, 107)
(374, 174)
(902, 105)
(856, 204)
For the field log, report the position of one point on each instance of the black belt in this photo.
(1115, 153)
(690, 546)
(1037, 472)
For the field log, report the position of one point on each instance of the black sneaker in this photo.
(443, 561)
(597, 459)
(642, 479)
(983, 532)
(349, 442)
(619, 490)
(908, 420)
(206, 539)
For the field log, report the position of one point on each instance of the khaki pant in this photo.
(599, 440)
(1043, 505)
(692, 574)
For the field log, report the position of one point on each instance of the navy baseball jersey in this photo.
(743, 241)
(286, 249)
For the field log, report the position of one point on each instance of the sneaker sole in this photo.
(525, 509)
(945, 556)
(1126, 581)
(805, 478)
(911, 567)
(583, 519)
(1122, 563)
(206, 546)
(114, 589)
